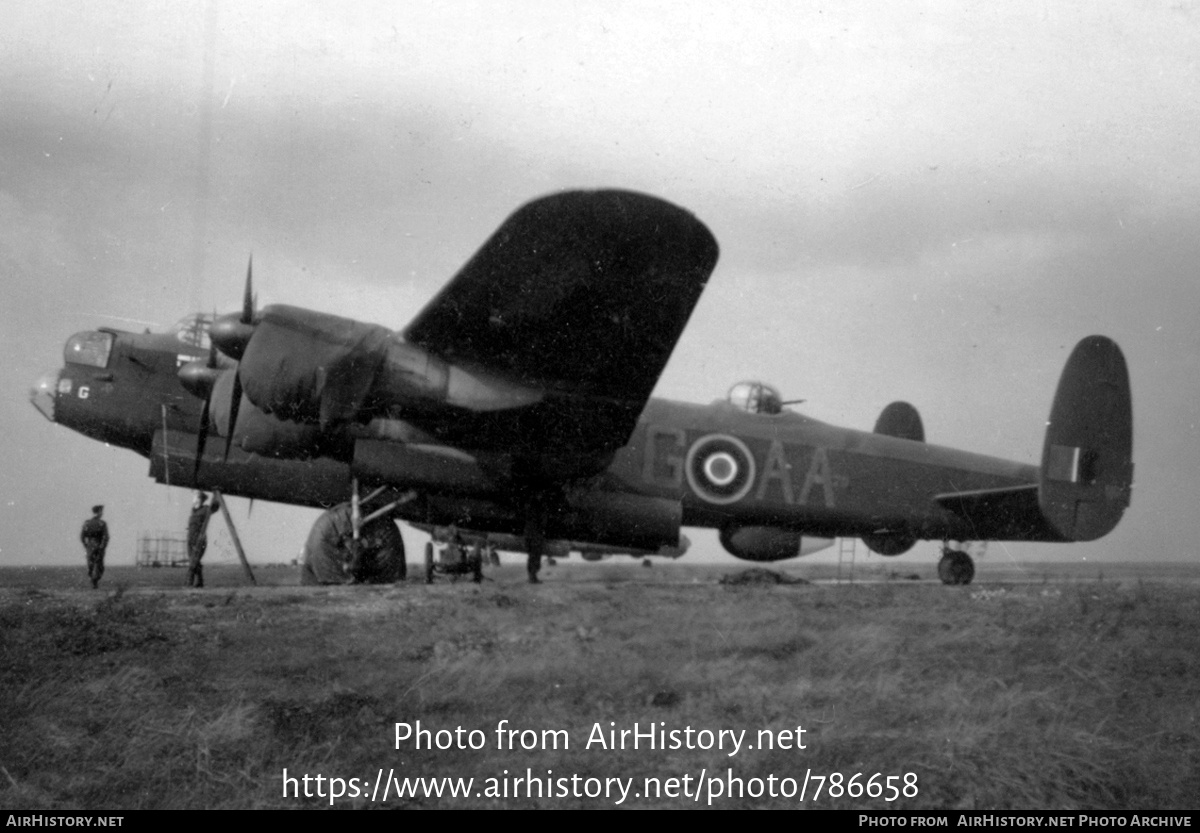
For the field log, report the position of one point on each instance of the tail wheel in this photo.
(956, 568)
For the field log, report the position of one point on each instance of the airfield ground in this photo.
(1045, 686)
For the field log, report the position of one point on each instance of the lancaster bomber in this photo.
(518, 403)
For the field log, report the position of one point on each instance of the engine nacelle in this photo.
(263, 434)
(891, 543)
(311, 367)
(322, 369)
(419, 466)
(761, 543)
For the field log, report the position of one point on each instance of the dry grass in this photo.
(1077, 695)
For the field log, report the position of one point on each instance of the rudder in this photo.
(1087, 459)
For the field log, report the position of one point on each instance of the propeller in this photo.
(204, 417)
(231, 334)
(234, 403)
(199, 378)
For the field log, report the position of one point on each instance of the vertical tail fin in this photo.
(901, 419)
(1087, 460)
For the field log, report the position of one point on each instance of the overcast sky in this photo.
(921, 201)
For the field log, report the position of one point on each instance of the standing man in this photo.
(95, 540)
(197, 536)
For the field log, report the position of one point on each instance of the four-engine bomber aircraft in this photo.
(518, 403)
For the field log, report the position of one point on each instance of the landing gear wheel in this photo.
(551, 561)
(329, 556)
(647, 563)
(956, 567)
(429, 563)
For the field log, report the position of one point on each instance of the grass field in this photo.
(1037, 687)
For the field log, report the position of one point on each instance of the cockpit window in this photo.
(193, 329)
(756, 398)
(91, 349)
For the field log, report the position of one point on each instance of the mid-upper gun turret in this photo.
(756, 397)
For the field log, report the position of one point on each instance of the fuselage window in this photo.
(91, 349)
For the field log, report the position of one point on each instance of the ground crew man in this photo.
(535, 543)
(197, 536)
(455, 551)
(95, 540)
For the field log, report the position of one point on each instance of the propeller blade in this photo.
(232, 332)
(234, 403)
(202, 438)
(201, 383)
(231, 338)
(248, 295)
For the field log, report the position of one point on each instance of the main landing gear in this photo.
(955, 566)
(344, 547)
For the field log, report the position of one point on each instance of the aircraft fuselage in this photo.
(517, 402)
(800, 473)
(722, 465)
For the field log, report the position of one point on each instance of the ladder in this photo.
(846, 551)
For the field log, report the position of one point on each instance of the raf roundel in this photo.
(720, 469)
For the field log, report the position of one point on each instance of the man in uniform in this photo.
(95, 540)
(197, 536)
(455, 551)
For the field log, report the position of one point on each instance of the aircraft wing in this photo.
(569, 313)
(582, 292)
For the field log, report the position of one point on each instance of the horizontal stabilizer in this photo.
(1087, 459)
(1010, 514)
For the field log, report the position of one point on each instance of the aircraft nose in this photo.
(43, 393)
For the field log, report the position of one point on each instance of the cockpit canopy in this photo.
(193, 329)
(91, 349)
(755, 398)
